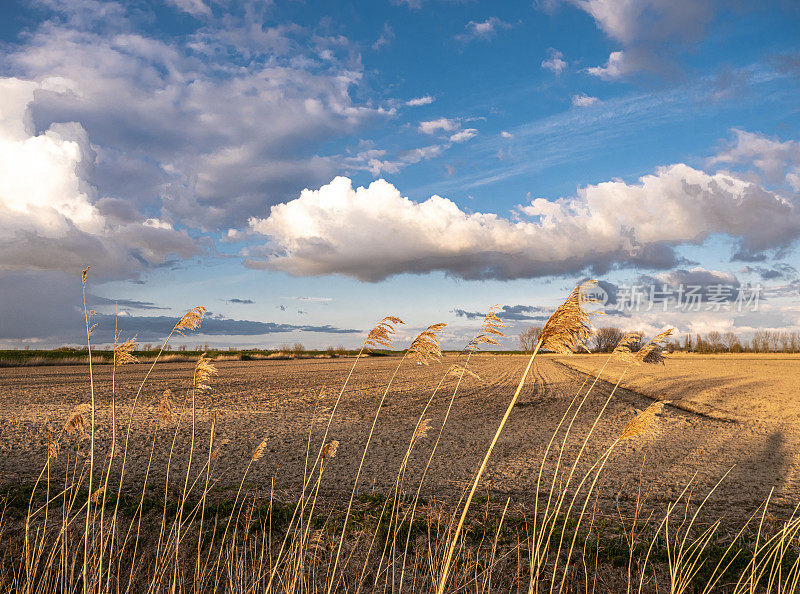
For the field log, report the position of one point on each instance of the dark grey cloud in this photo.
(675, 285)
(95, 300)
(748, 256)
(241, 301)
(155, 327)
(780, 271)
(508, 312)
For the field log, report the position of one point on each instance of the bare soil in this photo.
(730, 414)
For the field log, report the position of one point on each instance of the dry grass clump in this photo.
(329, 451)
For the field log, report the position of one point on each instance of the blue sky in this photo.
(168, 145)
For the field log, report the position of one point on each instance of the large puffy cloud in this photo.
(206, 128)
(49, 219)
(374, 232)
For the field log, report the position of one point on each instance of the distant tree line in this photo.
(763, 341)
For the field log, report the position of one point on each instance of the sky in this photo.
(303, 169)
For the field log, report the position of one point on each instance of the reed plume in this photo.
(329, 451)
(258, 453)
(166, 413)
(460, 369)
(191, 320)
(123, 351)
(569, 327)
(52, 449)
(422, 430)
(651, 352)
(96, 495)
(425, 348)
(642, 423)
(624, 350)
(203, 370)
(381, 334)
(76, 422)
(490, 328)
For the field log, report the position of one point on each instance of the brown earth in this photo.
(735, 414)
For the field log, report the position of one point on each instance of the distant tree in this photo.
(774, 341)
(699, 345)
(529, 337)
(786, 341)
(714, 341)
(298, 348)
(731, 342)
(687, 344)
(607, 338)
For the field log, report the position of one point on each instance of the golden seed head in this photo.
(651, 351)
(259, 451)
(52, 449)
(166, 413)
(490, 327)
(97, 494)
(569, 328)
(329, 451)
(624, 349)
(191, 320)
(76, 423)
(83, 275)
(123, 351)
(203, 370)
(425, 348)
(643, 422)
(381, 334)
(423, 428)
(460, 369)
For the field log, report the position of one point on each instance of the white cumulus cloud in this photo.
(483, 29)
(438, 125)
(555, 61)
(583, 100)
(373, 232)
(464, 135)
(49, 213)
(418, 101)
